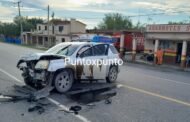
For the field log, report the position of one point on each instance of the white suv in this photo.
(61, 65)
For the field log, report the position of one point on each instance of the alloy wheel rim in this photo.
(63, 81)
(113, 74)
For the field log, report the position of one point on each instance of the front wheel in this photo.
(112, 75)
(63, 81)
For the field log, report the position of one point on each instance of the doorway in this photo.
(179, 51)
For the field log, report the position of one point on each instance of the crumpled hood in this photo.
(31, 56)
(37, 56)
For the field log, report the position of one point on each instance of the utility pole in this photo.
(48, 28)
(20, 19)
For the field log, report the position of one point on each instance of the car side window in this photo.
(113, 49)
(86, 53)
(101, 49)
(83, 49)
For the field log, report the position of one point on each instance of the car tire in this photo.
(112, 74)
(63, 80)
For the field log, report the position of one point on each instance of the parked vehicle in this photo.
(53, 67)
(128, 41)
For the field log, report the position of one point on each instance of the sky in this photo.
(91, 12)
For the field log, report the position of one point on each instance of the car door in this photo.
(85, 59)
(80, 56)
(100, 54)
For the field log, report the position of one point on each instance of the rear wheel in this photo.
(112, 75)
(63, 81)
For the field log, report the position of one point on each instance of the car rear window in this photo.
(100, 49)
(113, 49)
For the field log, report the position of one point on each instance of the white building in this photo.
(59, 31)
(173, 39)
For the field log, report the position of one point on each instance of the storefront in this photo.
(174, 40)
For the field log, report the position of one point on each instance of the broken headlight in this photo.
(42, 64)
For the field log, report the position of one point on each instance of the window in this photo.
(164, 44)
(83, 49)
(113, 49)
(53, 29)
(60, 28)
(101, 49)
(39, 27)
(45, 27)
(86, 53)
(63, 39)
(61, 49)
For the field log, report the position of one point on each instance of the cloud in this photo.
(169, 7)
(6, 11)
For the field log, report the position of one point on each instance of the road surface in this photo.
(144, 94)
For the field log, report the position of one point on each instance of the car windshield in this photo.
(63, 49)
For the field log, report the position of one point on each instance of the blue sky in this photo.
(91, 12)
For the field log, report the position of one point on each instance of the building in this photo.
(173, 39)
(59, 31)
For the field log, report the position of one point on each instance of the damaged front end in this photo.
(35, 69)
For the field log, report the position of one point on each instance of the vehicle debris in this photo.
(38, 108)
(27, 94)
(73, 109)
(83, 93)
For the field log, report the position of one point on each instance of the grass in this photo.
(28, 46)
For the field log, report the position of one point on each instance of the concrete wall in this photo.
(77, 27)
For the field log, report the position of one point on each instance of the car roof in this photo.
(82, 43)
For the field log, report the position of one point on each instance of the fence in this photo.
(12, 40)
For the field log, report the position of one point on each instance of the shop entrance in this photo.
(179, 51)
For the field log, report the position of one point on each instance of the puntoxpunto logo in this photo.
(93, 61)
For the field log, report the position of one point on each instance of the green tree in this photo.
(115, 21)
(28, 23)
(13, 29)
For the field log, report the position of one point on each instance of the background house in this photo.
(59, 31)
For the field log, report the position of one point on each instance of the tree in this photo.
(115, 21)
(13, 29)
(27, 23)
(139, 26)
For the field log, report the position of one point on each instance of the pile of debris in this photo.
(84, 93)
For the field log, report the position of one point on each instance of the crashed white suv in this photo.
(70, 62)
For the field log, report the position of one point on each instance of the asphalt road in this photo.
(145, 94)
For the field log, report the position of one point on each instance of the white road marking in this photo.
(11, 76)
(82, 118)
(166, 79)
(156, 95)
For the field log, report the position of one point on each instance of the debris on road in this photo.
(27, 94)
(83, 93)
(30, 95)
(73, 109)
